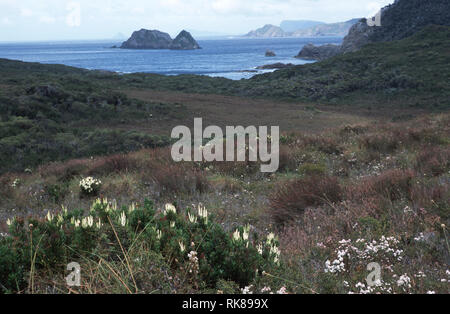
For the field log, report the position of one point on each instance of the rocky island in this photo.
(154, 39)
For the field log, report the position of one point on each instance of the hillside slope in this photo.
(399, 20)
(414, 71)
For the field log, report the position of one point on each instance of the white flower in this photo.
(203, 213)
(275, 251)
(87, 222)
(60, 219)
(123, 219)
(8, 222)
(49, 217)
(169, 208)
(16, 183)
(90, 221)
(159, 234)
(245, 235)
(247, 290)
(282, 291)
(89, 184)
(99, 224)
(236, 235)
(404, 280)
(182, 246)
(260, 249)
(192, 218)
(270, 238)
(266, 289)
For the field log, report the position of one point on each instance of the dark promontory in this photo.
(154, 39)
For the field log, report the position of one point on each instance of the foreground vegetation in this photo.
(362, 193)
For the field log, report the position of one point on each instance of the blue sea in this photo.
(229, 58)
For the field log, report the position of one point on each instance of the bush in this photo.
(90, 186)
(113, 164)
(179, 178)
(312, 169)
(433, 160)
(393, 184)
(12, 269)
(188, 241)
(294, 197)
(56, 192)
(64, 171)
(380, 143)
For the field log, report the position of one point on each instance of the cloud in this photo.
(26, 12)
(92, 19)
(47, 19)
(6, 21)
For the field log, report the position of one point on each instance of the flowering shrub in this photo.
(190, 241)
(90, 186)
(15, 183)
(352, 258)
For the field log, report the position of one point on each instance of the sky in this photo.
(43, 20)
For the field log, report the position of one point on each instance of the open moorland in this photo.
(86, 176)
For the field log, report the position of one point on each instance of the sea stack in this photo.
(154, 39)
(184, 41)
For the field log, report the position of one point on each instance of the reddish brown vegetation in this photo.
(292, 198)
(65, 171)
(179, 178)
(433, 160)
(113, 164)
(391, 184)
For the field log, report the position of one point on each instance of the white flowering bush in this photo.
(351, 267)
(16, 183)
(90, 186)
(190, 242)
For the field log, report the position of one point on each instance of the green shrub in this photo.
(56, 192)
(192, 243)
(312, 169)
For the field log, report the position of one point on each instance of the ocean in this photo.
(230, 58)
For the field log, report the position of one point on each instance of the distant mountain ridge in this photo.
(291, 26)
(334, 29)
(306, 29)
(267, 31)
